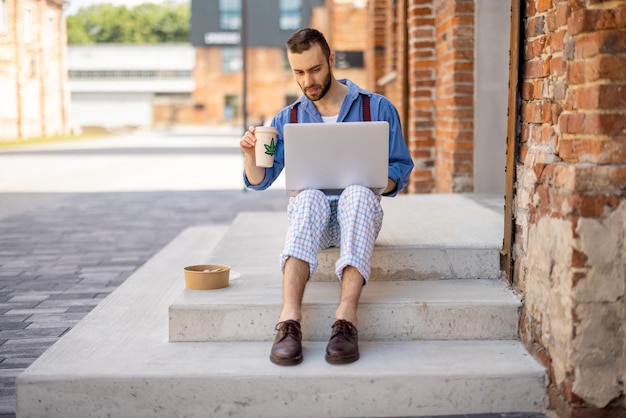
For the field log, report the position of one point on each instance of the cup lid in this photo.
(268, 129)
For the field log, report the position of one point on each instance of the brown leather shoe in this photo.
(287, 347)
(343, 346)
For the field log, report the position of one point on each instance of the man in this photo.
(351, 220)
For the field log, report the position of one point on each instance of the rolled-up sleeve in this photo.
(400, 161)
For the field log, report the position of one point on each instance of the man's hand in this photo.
(391, 186)
(247, 143)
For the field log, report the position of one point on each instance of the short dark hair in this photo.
(303, 39)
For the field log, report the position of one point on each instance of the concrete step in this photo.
(422, 238)
(237, 379)
(118, 361)
(389, 311)
(446, 247)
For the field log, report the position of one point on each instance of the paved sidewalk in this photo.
(64, 248)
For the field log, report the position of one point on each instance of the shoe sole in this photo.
(286, 361)
(342, 360)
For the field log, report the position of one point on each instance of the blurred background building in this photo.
(217, 35)
(131, 85)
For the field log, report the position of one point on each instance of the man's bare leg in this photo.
(343, 346)
(287, 347)
(351, 285)
(295, 277)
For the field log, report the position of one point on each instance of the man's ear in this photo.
(331, 60)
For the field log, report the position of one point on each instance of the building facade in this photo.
(217, 35)
(131, 85)
(34, 99)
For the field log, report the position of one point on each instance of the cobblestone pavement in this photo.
(62, 253)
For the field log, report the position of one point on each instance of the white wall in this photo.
(491, 94)
(111, 109)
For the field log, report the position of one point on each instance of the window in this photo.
(129, 74)
(290, 14)
(28, 24)
(49, 30)
(230, 14)
(231, 59)
(4, 17)
(231, 107)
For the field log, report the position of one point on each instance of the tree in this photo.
(145, 23)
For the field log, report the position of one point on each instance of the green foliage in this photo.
(145, 23)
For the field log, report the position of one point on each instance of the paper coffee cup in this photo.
(266, 142)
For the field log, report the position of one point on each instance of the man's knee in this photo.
(310, 197)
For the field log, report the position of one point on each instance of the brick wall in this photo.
(454, 96)
(570, 253)
(422, 64)
(440, 88)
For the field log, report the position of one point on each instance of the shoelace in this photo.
(344, 327)
(288, 327)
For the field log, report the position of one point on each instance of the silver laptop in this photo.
(332, 156)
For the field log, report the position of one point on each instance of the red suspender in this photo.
(293, 115)
(367, 116)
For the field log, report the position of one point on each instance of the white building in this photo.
(116, 85)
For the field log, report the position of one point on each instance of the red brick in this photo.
(536, 112)
(611, 67)
(606, 42)
(557, 66)
(597, 96)
(592, 123)
(586, 150)
(563, 12)
(591, 20)
(544, 5)
(536, 69)
(528, 91)
(536, 47)
(535, 26)
(557, 41)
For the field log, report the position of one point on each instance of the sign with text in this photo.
(222, 38)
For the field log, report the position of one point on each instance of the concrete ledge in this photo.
(424, 237)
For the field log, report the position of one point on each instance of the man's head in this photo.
(311, 62)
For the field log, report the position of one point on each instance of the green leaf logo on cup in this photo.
(271, 148)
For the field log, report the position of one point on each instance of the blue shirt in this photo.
(400, 161)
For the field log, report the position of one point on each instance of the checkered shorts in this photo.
(350, 221)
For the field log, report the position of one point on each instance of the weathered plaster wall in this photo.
(570, 251)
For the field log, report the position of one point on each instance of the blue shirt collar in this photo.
(353, 94)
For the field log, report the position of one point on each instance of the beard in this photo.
(322, 89)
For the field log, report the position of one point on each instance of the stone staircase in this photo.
(437, 329)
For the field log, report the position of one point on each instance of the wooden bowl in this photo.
(206, 276)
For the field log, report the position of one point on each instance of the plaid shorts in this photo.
(350, 221)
